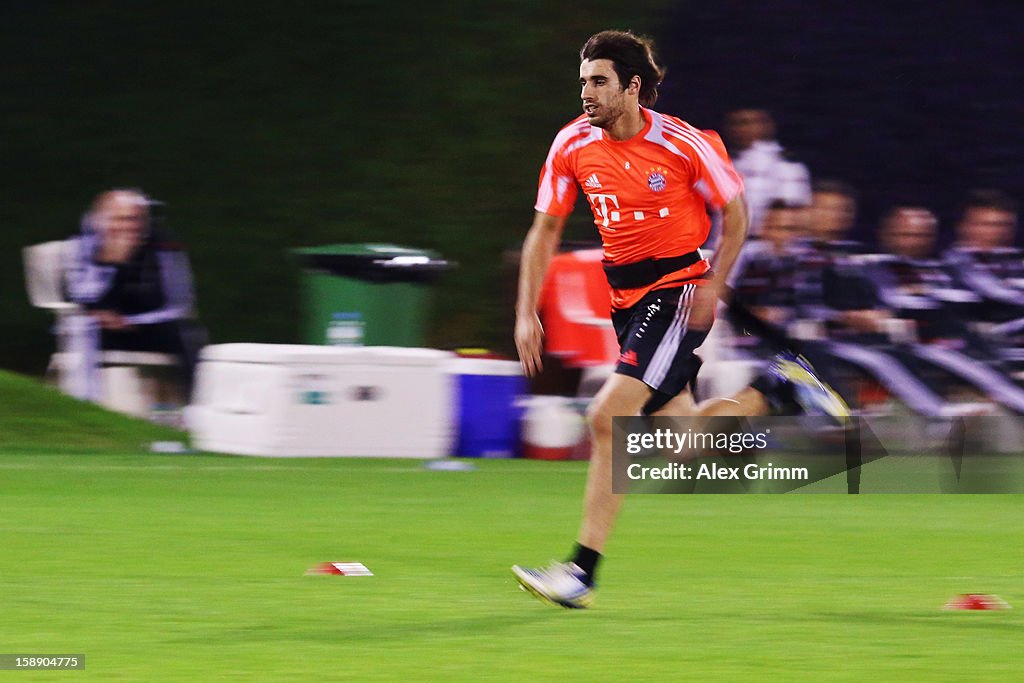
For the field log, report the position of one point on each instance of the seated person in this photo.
(985, 259)
(783, 280)
(135, 285)
(918, 290)
(764, 280)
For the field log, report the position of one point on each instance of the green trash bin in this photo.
(367, 294)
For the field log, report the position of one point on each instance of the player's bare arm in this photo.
(734, 232)
(539, 247)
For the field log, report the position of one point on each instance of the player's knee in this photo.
(599, 418)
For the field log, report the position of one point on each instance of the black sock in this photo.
(586, 559)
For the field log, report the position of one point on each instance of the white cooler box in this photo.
(291, 400)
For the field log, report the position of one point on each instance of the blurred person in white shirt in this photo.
(768, 172)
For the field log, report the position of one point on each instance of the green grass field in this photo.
(171, 567)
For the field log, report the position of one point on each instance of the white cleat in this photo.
(560, 583)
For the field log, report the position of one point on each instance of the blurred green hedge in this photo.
(268, 125)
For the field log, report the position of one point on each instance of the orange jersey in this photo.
(650, 194)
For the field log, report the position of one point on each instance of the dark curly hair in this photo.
(989, 199)
(631, 55)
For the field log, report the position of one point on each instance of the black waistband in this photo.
(648, 271)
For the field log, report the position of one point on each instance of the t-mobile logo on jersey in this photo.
(600, 203)
(604, 205)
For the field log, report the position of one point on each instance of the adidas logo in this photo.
(592, 182)
(629, 358)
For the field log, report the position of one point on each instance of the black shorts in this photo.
(657, 346)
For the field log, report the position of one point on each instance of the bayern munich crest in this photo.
(656, 182)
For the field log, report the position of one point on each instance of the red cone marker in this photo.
(977, 601)
(340, 569)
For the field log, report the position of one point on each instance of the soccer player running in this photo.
(650, 180)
